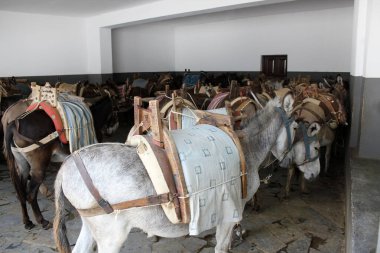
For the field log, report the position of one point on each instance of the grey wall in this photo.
(356, 98)
(365, 117)
(369, 119)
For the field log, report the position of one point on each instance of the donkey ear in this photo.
(313, 129)
(288, 103)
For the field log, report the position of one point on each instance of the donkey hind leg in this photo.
(223, 237)
(85, 242)
(110, 231)
(22, 176)
(37, 174)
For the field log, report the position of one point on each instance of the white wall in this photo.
(33, 45)
(315, 34)
(372, 53)
(143, 48)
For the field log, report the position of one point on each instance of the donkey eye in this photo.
(316, 148)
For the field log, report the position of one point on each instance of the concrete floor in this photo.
(303, 223)
(363, 179)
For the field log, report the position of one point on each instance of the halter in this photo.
(307, 140)
(287, 122)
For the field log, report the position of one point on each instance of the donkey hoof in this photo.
(29, 225)
(46, 225)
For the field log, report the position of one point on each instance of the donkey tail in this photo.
(59, 226)
(8, 139)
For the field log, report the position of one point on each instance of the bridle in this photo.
(287, 122)
(307, 140)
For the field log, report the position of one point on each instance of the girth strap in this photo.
(153, 200)
(90, 185)
(36, 144)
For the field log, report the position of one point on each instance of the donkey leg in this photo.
(110, 232)
(28, 224)
(291, 170)
(85, 242)
(32, 199)
(22, 179)
(327, 157)
(37, 176)
(304, 189)
(223, 237)
(19, 175)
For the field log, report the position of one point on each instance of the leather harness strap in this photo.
(329, 104)
(37, 144)
(90, 185)
(318, 117)
(142, 202)
(104, 207)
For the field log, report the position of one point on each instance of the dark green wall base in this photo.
(315, 76)
(121, 77)
(53, 79)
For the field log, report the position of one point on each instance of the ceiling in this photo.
(71, 8)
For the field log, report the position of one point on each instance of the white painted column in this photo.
(372, 54)
(99, 50)
(365, 59)
(365, 78)
(359, 37)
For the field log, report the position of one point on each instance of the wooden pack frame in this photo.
(161, 143)
(44, 93)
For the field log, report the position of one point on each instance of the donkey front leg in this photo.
(327, 157)
(304, 188)
(223, 237)
(291, 171)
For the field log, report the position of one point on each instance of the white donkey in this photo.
(119, 175)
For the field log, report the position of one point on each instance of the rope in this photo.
(211, 187)
(192, 100)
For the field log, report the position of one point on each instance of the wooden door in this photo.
(274, 65)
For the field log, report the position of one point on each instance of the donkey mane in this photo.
(259, 132)
(259, 120)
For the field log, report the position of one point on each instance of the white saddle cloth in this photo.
(211, 166)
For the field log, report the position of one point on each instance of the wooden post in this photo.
(156, 123)
(137, 102)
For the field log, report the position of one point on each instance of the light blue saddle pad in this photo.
(211, 166)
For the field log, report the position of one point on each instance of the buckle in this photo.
(105, 205)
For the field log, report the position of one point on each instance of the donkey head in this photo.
(305, 151)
